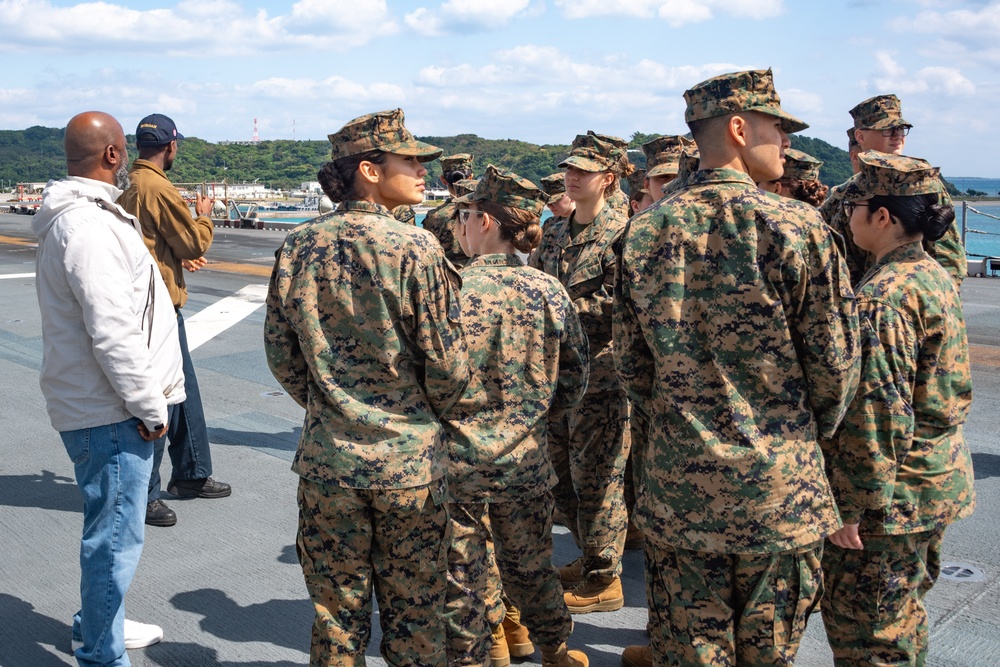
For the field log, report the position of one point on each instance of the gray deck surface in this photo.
(224, 582)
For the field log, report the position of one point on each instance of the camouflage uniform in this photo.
(736, 335)
(663, 156)
(362, 329)
(405, 214)
(899, 465)
(441, 221)
(529, 356)
(881, 113)
(687, 164)
(589, 444)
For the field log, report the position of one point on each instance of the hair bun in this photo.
(936, 220)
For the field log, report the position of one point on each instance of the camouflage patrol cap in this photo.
(688, 162)
(878, 113)
(554, 186)
(507, 189)
(738, 91)
(595, 152)
(663, 155)
(464, 186)
(893, 176)
(852, 139)
(801, 166)
(383, 131)
(456, 161)
(637, 185)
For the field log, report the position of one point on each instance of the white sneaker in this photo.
(137, 635)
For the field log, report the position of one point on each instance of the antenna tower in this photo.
(256, 137)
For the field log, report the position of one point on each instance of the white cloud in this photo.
(465, 15)
(935, 80)
(965, 35)
(674, 12)
(191, 27)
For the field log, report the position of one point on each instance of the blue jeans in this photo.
(187, 432)
(112, 470)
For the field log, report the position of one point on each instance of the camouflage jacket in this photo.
(528, 357)
(363, 330)
(947, 250)
(736, 332)
(440, 222)
(900, 464)
(586, 268)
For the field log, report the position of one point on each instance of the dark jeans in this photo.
(187, 433)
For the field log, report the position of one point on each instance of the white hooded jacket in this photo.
(109, 330)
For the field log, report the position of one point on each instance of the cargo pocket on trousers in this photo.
(803, 588)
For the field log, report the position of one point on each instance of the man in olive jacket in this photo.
(177, 242)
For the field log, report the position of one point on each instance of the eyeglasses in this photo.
(898, 131)
(466, 213)
(849, 206)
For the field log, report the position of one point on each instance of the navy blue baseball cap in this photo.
(156, 130)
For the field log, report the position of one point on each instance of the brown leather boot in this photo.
(637, 656)
(499, 653)
(518, 642)
(634, 539)
(595, 596)
(563, 657)
(572, 574)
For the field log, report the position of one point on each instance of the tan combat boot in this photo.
(572, 574)
(563, 657)
(499, 653)
(518, 642)
(637, 656)
(596, 595)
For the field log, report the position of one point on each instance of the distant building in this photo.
(311, 186)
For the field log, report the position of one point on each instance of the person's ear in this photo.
(369, 172)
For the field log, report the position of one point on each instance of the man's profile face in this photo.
(874, 140)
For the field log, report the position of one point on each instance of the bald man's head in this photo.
(95, 148)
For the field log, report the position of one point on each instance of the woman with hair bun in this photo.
(529, 360)
(363, 329)
(800, 179)
(899, 465)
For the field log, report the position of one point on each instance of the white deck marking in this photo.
(16, 275)
(206, 324)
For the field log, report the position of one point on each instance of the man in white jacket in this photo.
(111, 365)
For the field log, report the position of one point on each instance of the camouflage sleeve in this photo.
(437, 331)
(877, 429)
(633, 358)
(574, 363)
(281, 344)
(825, 319)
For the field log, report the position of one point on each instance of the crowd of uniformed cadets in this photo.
(765, 396)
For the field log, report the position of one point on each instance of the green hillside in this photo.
(36, 154)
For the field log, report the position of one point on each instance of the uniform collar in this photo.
(497, 259)
(364, 207)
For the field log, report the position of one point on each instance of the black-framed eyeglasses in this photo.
(898, 131)
(849, 206)
(466, 213)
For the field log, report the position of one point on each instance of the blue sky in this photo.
(536, 70)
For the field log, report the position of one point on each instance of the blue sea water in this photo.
(991, 186)
(982, 232)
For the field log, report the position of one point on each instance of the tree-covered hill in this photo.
(36, 154)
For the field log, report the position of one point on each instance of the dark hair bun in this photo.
(936, 220)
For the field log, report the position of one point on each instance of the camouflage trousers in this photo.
(874, 605)
(730, 609)
(350, 540)
(588, 446)
(522, 536)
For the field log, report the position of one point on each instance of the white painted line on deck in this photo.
(16, 275)
(206, 324)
